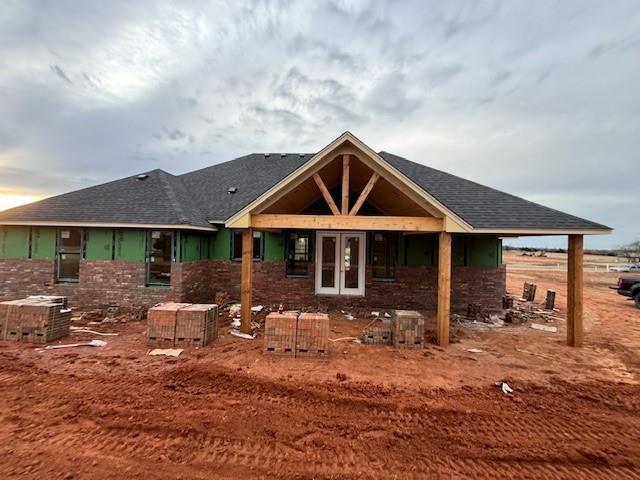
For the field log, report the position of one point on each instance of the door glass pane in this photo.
(351, 261)
(328, 262)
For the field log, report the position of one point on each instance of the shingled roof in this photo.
(202, 197)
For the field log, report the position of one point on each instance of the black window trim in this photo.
(310, 236)
(147, 252)
(58, 279)
(259, 258)
(393, 235)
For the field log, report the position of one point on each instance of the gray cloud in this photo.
(538, 102)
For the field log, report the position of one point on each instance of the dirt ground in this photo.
(228, 411)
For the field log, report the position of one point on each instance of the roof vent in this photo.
(302, 155)
(283, 155)
(267, 155)
(142, 176)
(232, 190)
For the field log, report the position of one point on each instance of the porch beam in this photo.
(365, 193)
(575, 290)
(345, 184)
(347, 222)
(444, 288)
(246, 280)
(325, 193)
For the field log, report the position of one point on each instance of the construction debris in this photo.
(544, 328)
(504, 386)
(529, 291)
(246, 336)
(474, 350)
(169, 352)
(93, 332)
(550, 301)
(92, 343)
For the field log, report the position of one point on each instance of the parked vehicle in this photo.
(629, 286)
(626, 267)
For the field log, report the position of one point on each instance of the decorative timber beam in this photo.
(326, 194)
(575, 290)
(444, 289)
(246, 280)
(345, 184)
(365, 193)
(348, 222)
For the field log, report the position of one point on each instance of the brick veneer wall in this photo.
(413, 287)
(104, 283)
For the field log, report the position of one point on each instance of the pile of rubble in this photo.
(515, 310)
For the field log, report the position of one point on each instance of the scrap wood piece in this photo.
(169, 352)
(93, 332)
(92, 343)
(246, 336)
(544, 328)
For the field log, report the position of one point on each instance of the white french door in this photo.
(340, 263)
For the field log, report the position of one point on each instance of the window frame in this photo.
(309, 235)
(395, 242)
(58, 254)
(256, 257)
(147, 258)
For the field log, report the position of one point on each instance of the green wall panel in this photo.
(14, 242)
(273, 247)
(221, 248)
(458, 250)
(130, 245)
(191, 247)
(98, 244)
(420, 249)
(483, 251)
(43, 243)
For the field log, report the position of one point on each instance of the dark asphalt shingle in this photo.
(198, 197)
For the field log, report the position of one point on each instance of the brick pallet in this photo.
(407, 328)
(377, 335)
(35, 319)
(196, 325)
(280, 333)
(161, 324)
(312, 336)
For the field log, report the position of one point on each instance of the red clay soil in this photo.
(228, 411)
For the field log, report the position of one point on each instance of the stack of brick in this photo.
(280, 333)
(377, 334)
(312, 337)
(196, 325)
(182, 324)
(407, 329)
(35, 319)
(303, 335)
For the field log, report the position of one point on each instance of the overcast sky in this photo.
(541, 102)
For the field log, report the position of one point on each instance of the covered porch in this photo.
(346, 191)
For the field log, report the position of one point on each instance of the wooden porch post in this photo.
(246, 280)
(574, 290)
(444, 288)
